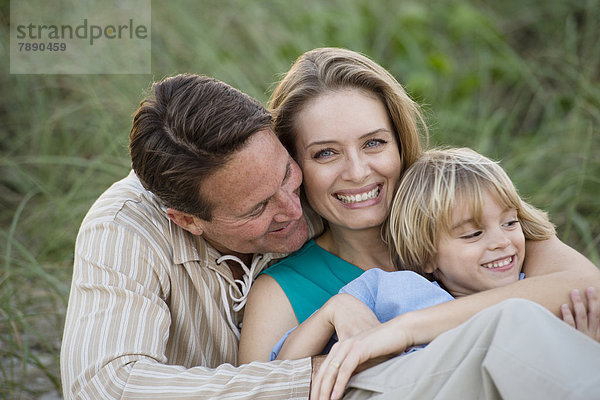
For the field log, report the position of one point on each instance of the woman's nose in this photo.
(356, 168)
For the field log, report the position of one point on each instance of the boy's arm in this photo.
(308, 339)
(342, 313)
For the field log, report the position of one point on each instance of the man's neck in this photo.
(236, 269)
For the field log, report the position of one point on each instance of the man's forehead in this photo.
(251, 176)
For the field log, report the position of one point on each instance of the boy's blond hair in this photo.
(429, 192)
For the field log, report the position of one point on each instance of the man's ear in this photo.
(185, 221)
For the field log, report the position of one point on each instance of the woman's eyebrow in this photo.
(322, 142)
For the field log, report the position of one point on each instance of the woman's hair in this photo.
(321, 71)
(431, 189)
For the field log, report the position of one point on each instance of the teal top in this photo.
(310, 276)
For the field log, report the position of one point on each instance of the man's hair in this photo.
(324, 70)
(434, 186)
(187, 129)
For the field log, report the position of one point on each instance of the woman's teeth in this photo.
(359, 197)
(496, 264)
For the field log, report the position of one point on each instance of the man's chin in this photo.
(293, 240)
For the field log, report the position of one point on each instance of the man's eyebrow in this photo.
(288, 170)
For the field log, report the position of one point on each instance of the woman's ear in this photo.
(185, 221)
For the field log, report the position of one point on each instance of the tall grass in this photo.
(517, 80)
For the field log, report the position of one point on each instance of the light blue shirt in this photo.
(390, 294)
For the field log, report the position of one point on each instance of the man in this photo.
(165, 257)
(154, 309)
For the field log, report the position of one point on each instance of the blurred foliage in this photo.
(516, 80)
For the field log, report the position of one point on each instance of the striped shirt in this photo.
(152, 314)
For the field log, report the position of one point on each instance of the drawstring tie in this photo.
(245, 284)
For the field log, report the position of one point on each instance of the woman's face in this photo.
(349, 156)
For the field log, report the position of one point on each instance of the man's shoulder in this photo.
(126, 202)
(127, 211)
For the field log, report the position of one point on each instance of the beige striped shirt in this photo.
(152, 313)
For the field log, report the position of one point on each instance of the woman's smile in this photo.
(360, 196)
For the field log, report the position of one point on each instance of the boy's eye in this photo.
(511, 223)
(471, 235)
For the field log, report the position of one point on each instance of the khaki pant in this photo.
(514, 350)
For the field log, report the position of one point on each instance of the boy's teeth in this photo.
(497, 264)
(359, 197)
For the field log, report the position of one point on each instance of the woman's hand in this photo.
(586, 319)
(356, 353)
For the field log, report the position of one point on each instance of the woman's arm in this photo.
(547, 256)
(586, 319)
(553, 269)
(267, 317)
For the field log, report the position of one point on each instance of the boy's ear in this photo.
(185, 221)
(429, 267)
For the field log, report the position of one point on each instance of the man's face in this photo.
(256, 208)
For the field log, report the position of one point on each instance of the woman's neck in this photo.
(364, 248)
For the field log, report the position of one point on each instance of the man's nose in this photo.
(290, 208)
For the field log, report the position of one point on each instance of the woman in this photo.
(353, 147)
(339, 114)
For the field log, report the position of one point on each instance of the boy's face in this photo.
(473, 258)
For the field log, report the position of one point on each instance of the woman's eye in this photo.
(323, 153)
(374, 143)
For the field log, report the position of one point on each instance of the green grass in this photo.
(518, 80)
